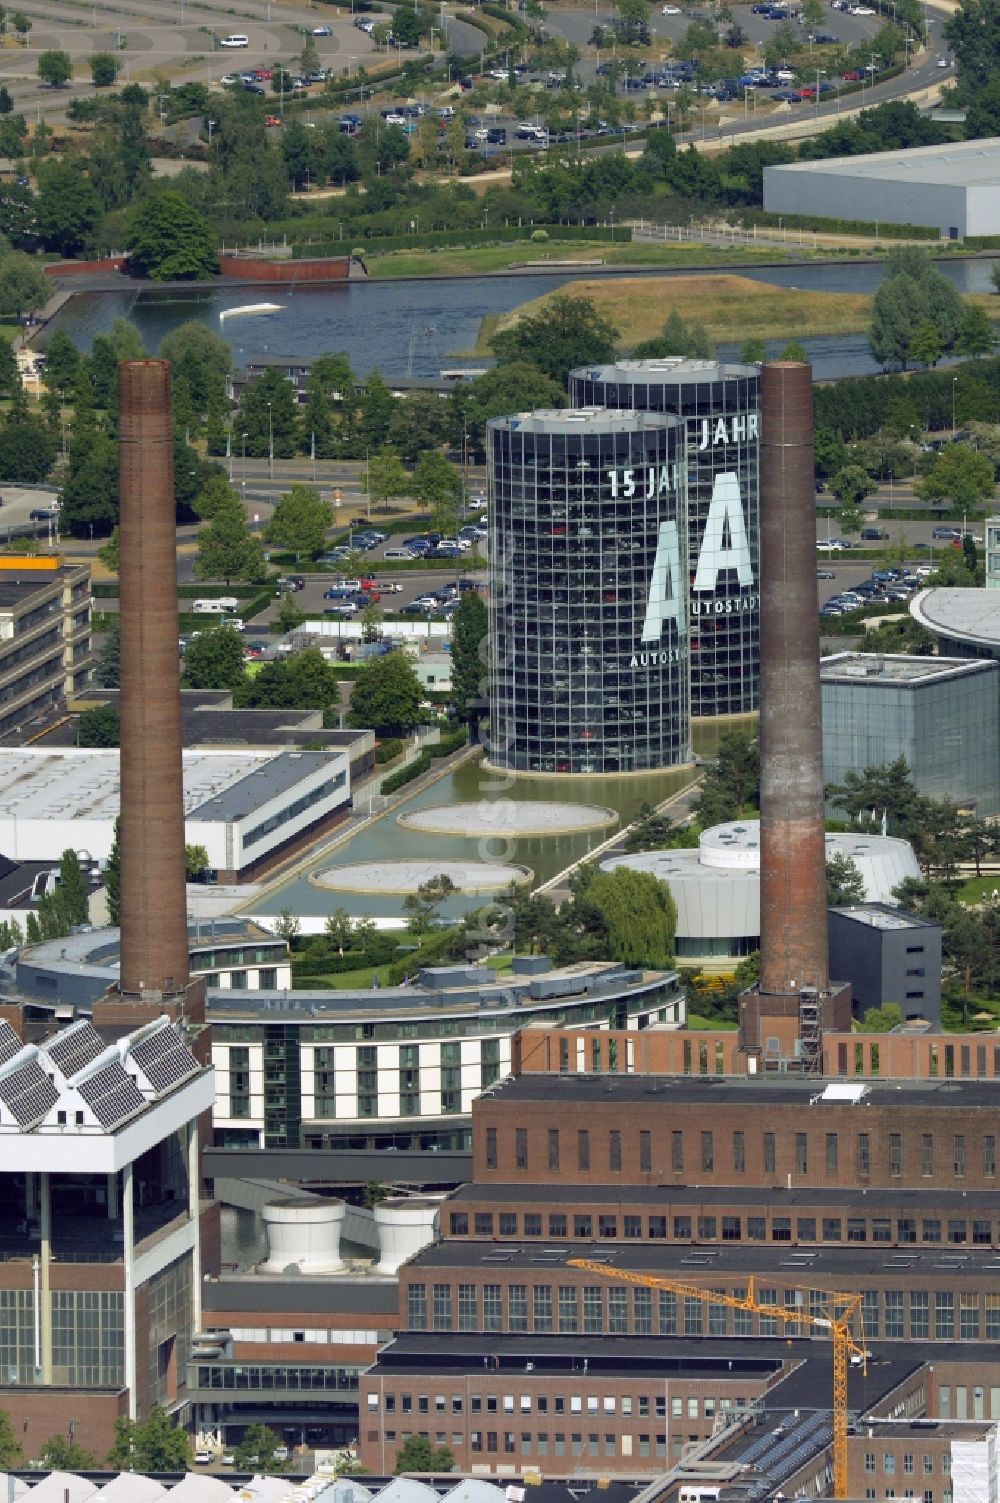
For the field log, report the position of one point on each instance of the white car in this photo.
(237, 39)
(861, 10)
(785, 75)
(942, 62)
(229, 1459)
(202, 1458)
(392, 117)
(389, 587)
(670, 10)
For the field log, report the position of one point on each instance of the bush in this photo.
(539, 235)
(405, 775)
(389, 749)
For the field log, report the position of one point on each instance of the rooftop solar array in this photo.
(10, 1044)
(163, 1059)
(74, 1047)
(28, 1093)
(112, 1094)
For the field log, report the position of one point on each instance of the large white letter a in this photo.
(666, 590)
(725, 544)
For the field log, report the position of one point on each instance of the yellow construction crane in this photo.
(837, 1318)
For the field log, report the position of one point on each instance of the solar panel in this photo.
(112, 1094)
(163, 1059)
(74, 1047)
(28, 1093)
(10, 1044)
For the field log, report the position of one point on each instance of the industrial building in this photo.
(951, 188)
(396, 1067)
(245, 807)
(720, 405)
(965, 622)
(45, 638)
(888, 956)
(589, 635)
(716, 888)
(105, 1235)
(941, 714)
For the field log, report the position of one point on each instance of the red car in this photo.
(262, 75)
(272, 120)
(853, 77)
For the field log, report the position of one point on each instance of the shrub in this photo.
(389, 749)
(405, 775)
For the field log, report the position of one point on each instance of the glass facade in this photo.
(721, 406)
(589, 661)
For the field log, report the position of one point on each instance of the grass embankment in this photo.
(732, 308)
(477, 260)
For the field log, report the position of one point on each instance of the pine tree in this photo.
(73, 890)
(113, 876)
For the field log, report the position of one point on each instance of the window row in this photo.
(568, 1309)
(684, 1227)
(707, 1151)
(626, 1405)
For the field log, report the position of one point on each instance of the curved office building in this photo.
(721, 405)
(588, 611)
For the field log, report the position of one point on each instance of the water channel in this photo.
(387, 840)
(420, 327)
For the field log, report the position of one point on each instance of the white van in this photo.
(222, 605)
(238, 39)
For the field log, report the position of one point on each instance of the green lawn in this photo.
(695, 1020)
(457, 261)
(978, 888)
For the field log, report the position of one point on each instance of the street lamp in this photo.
(820, 73)
(954, 385)
(270, 442)
(243, 482)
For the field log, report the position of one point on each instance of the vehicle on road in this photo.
(45, 514)
(670, 10)
(873, 535)
(944, 534)
(235, 39)
(322, 31)
(825, 574)
(202, 1458)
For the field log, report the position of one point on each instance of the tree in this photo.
(55, 68)
(304, 681)
(852, 484)
(386, 696)
(21, 25)
(422, 906)
(168, 240)
(845, 885)
(154, 1444)
(387, 477)
(202, 356)
(103, 69)
(976, 336)
(639, 913)
(62, 361)
(338, 929)
(62, 1455)
(960, 475)
(882, 1019)
(469, 630)
(227, 549)
(214, 659)
(753, 352)
(10, 1446)
(113, 875)
(287, 926)
(24, 287)
(99, 726)
(90, 490)
(437, 484)
(300, 521)
(216, 495)
(6, 102)
(733, 783)
(256, 1450)
(67, 207)
(416, 1454)
(377, 407)
(268, 416)
(107, 668)
(196, 862)
(568, 331)
(926, 344)
(73, 893)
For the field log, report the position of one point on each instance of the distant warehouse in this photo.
(952, 188)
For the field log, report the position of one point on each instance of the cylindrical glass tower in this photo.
(588, 601)
(721, 405)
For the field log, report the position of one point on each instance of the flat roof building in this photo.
(941, 714)
(45, 638)
(951, 188)
(243, 806)
(888, 956)
(965, 622)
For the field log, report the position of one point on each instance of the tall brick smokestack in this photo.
(793, 935)
(154, 949)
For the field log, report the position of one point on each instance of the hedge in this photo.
(414, 769)
(473, 235)
(389, 749)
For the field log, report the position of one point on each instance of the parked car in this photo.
(322, 31)
(873, 535)
(825, 574)
(945, 534)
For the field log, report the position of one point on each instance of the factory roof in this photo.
(709, 1090)
(671, 370)
(881, 916)
(971, 616)
(879, 669)
(208, 718)
(954, 164)
(785, 1263)
(327, 1293)
(83, 783)
(569, 420)
(268, 779)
